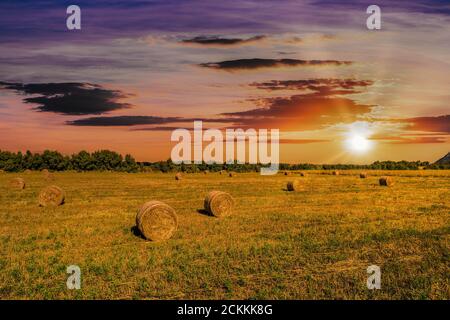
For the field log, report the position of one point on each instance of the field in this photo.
(313, 244)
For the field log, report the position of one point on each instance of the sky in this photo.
(337, 91)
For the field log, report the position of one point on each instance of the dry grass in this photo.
(314, 244)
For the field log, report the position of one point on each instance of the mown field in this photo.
(314, 244)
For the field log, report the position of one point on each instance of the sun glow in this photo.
(358, 143)
(357, 138)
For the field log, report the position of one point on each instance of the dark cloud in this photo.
(321, 104)
(69, 98)
(218, 41)
(160, 128)
(122, 121)
(299, 113)
(256, 63)
(320, 87)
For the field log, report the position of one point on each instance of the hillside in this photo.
(444, 160)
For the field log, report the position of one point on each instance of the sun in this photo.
(358, 143)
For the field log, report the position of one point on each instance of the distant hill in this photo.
(444, 160)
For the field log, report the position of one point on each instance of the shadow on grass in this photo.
(204, 212)
(135, 231)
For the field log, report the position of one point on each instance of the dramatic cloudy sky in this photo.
(139, 69)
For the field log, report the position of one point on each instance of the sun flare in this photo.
(358, 143)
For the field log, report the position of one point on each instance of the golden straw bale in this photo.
(156, 221)
(219, 204)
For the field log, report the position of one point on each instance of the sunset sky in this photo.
(139, 69)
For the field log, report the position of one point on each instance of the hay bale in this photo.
(206, 172)
(335, 173)
(51, 196)
(48, 175)
(219, 204)
(363, 175)
(156, 221)
(294, 185)
(302, 174)
(287, 173)
(178, 176)
(18, 183)
(386, 181)
(231, 174)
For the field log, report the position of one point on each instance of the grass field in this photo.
(314, 244)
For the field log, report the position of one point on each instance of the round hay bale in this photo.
(206, 172)
(302, 174)
(231, 174)
(51, 196)
(287, 173)
(335, 173)
(156, 221)
(219, 204)
(294, 185)
(386, 181)
(178, 176)
(18, 183)
(363, 175)
(48, 175)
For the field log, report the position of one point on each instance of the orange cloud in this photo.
(430, 124)
(401, 139)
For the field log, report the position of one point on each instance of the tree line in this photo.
(103, 160)
(106, 160)
(169, 166)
